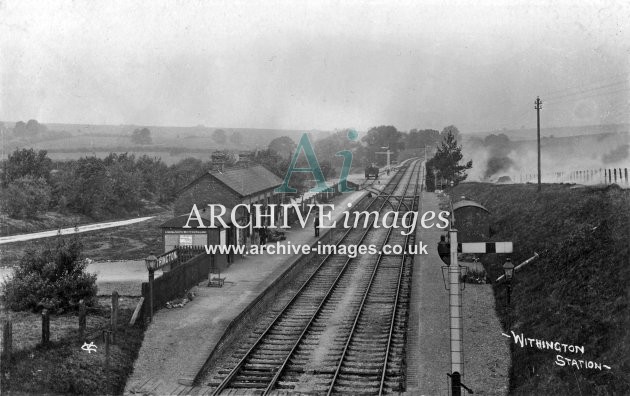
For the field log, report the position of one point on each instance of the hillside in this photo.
(565, 131)
(172, 144)
(576, 293)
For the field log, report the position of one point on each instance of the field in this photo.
(576, 293)
(172, 144)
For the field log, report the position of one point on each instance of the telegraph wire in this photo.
(593, 95)
(607, 86)
(603, 81)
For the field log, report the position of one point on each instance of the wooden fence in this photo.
(588, 176)
(194, 267)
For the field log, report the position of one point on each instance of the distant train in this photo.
(371, 172)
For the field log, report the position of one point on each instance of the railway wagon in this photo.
(371, 172)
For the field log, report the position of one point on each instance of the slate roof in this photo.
(247, 181)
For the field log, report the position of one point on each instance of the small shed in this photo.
(472, 221)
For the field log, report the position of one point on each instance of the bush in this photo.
(52, 277)
(475, 276)
(26, 197)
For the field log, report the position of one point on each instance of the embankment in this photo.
(577, 293)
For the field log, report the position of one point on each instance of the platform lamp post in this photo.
(151, 263)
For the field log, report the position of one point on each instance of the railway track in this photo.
(343, 330)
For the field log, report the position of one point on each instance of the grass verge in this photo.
(62, 367)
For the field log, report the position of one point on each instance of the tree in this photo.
(29, 129)
(27, 162)
(125, 189)
(26, 197)
(86, 186)
(451, 129)
(327, 148)
(154, 177)
(141, 136)
(420, 138)
(34, 128)
(53, 277)
(182, 173)
(383, 136)
(282, 146)
(219, 136)
(19, 129)
(124, 183)
(447, 157)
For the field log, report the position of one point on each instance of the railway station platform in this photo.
(178, 342)
(429, 332)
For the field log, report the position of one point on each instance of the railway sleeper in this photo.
(353, 390)
(246, 385)
(362, 381)
(283, 331)
(362, 336)
(271, 352)
(367, 364)
(278, 339)
(362, 371)
(250, 377)
(262, 364)
(393, 370)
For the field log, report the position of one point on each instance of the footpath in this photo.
(68, 231)
(178, 342)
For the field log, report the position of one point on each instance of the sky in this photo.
(315, 64)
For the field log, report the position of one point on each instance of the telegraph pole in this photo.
(538, 106)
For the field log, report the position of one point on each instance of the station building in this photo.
(228, 187)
